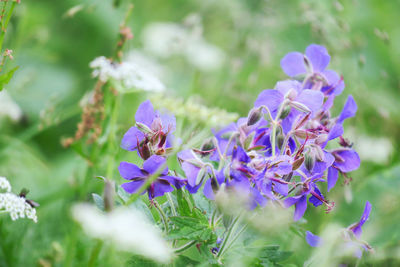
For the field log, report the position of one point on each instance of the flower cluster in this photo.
(281, 152)
(16, 205)
(126, 75)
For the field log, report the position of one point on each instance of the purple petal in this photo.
(335, 83)
(191, 172)
(367, 211)
(333, 175)
(178, 182)
(312, 99)
(271, 99)
(293, 64)
(281, 189)
(286, 86)
(168, 122)
(159, 188)
(300, 209)
(145, 113)
(313, 240)
(290, 201)
(314, 200)
(349, 109)
(318, 56)
(130, 171)
(131, 138)
(335, 132)
(328, 103)
(351, 160)
(132, 186)
(208, 191)
(152, 164)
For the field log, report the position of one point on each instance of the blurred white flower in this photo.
(169, 39)
(377, 150)
(8, 107)
(128, 229)
(127, 75)
(5, 184)
(15, 205)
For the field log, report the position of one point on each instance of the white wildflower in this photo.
(128, 229)
(9, 108)
(5, 184)
(126, 75)
(168, 39)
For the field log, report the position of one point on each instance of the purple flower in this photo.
(313, 240)
(314, 64)
(150, 135)
(356, 228)
(346, 160)
(138, 176)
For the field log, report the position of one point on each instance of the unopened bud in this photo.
(254, 116)
(285, 112)
(318, 152)
(249, 140)
(299, 106)
(309, 161)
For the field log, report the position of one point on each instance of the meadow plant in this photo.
(280, 155)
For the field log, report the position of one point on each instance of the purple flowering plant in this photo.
(288, 152)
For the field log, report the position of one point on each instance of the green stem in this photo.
(171, 204)
(4, 26)
(111, 137)
(95, 253)
(162, 214)
(185, 246)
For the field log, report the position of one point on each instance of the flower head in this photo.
(151, 133)
(138, 176)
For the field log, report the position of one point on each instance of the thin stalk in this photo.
(235, 238)
(171, 203)
(162, 215)
(185, 246)
(4, 26)
(95, 253)
(285, 142)
(111, 137)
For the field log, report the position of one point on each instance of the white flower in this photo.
(8, 107)
(15, 205)
(168, 39)
(128, 75)
(5, 184)
(128, 229)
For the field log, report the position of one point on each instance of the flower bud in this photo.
(309, 161)
(285, 112)
(254, 116)
(299, 106)
(248, 141)
(321, 139)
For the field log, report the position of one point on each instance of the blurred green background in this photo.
(54, 42)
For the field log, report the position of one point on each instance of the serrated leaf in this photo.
(98, 201)
(183, 261)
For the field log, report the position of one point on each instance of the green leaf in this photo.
(183, 261)
(6, 77)
(188, 228)
(98, 201)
